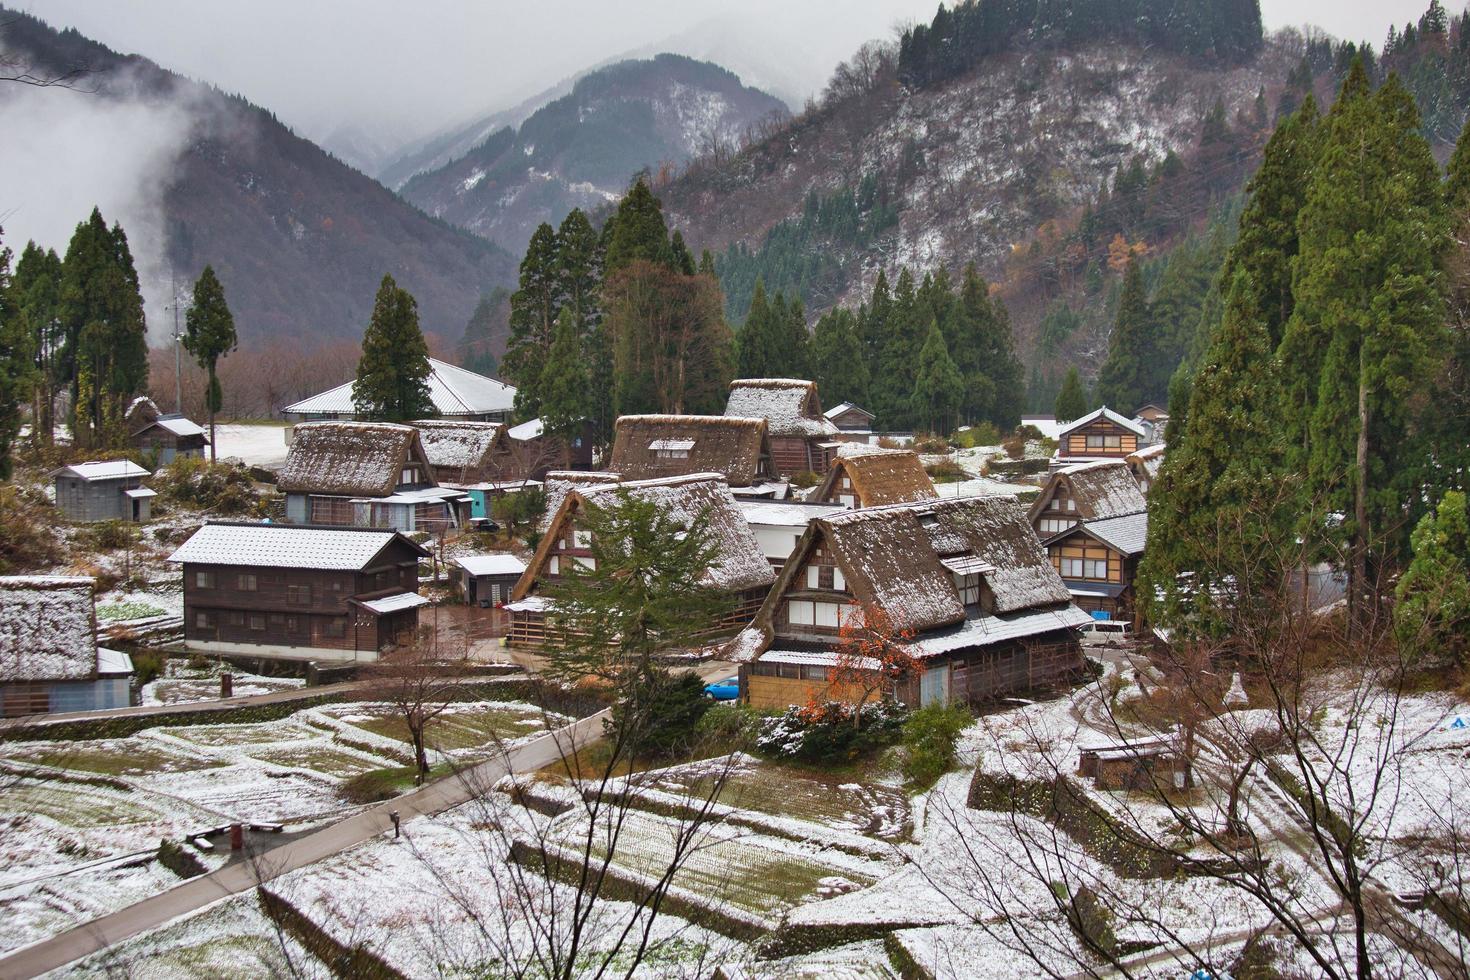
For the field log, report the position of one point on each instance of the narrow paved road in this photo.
(234, 879)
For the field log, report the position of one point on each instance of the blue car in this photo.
(724, 690)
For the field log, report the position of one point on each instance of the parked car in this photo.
(727, 689)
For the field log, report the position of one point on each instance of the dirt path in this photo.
(234, 879)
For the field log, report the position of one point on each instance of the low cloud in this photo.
(69, 150)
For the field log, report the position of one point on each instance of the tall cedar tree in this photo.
(393, 373)
(1367, 329)
(1447, 428)
(17, 364)
(104, 350)
(838, 366)
(564, 385)
(986, 356)
(1207, 512)
(579, 282)
(873, 323)
(1123, 382)
(209, 334)
(644, 591)
(533, 310)
(36, 292)
(1071, 400)
(938, 387)
(637, 231)
(1432, 611)
(893, 386)
(475, 347)
(756, 342)
(793, 338)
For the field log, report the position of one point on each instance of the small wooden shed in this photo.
(488, 580)
(110, 490)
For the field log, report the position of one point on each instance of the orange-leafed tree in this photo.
(872, 657)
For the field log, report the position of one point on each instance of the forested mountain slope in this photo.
(581, 149)
(299, 239)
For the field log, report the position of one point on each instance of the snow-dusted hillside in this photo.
(581, 150)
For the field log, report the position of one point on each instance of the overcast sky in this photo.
(400, 70)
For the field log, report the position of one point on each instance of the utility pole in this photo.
(178, 357)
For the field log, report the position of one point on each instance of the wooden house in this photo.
(1085, 492)
(1140, 764)
(801, 436)
(739, 569)
(299, 592)
(111, 490)
(1102, 434)
(649, 447)
(167, 437)
(871, 476)
(779, 524)
(488, 580)
(850, 418)
(1152, 413)
(963, 580)
(463, 452)
(1098, 561)
(456, 393)
(540, 453)
(366, 474)
(1144, 465)
(49, 658)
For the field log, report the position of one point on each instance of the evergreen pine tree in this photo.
(1071, 400)
(579, 281)
(873, 330)
(1368, 321)
(17, 364)
(793, 340)
(893, 386)
(985, 353)
(755, 342)
(533, 311)
(837, 361)
(36, 292)
(1447, 426)
(475, 351)
(392, 383)
(565, 392)
(209, 334)
(1210, 512)
(104, 349)
(1124, 381)
(938, 387)
(1432, 612)
(637, 231)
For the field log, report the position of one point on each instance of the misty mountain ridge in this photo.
(299, 239)
(580, 150)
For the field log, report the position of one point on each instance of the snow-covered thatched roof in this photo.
(48, 630)
(789, 406)
(1145, 463)
(1105, 488)
(358, 459)
(901, 558)
(258, 545)
(559, 483)
(454, 446)
(736, 448)
(879, 476)
(739, 563)
(453, 390)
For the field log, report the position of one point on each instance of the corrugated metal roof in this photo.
(112, 469)
(283, 546)
(179, 425)
(393, 603)
(1101, 413)
(491, 564)
(814, 658)
(986, 630)
(453, 390)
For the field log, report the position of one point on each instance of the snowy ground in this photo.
(254, 445)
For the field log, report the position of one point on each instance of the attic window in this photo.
(928, 520)
(671, 448)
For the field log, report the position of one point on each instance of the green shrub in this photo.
(198, 484)
(668, 708)
(929, 738)
(1029, 432)
(147, 665)
(729, 723)
(928, 442)
(111, 535)
(826, 733)
(946, 471)
(804, 480)
(980, 434)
